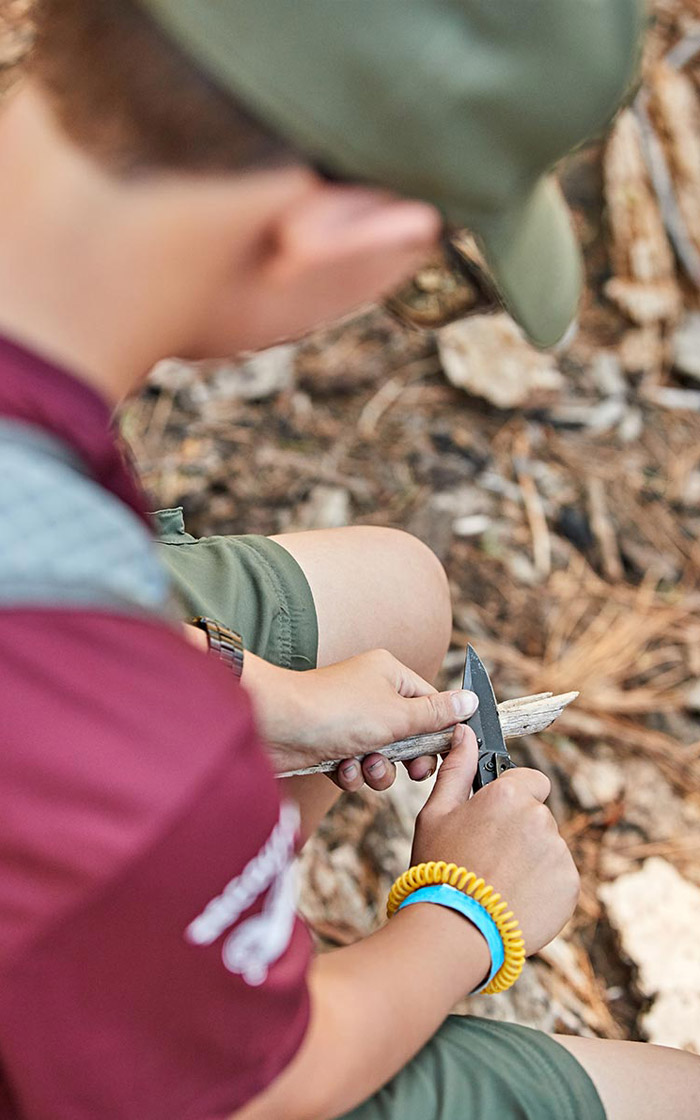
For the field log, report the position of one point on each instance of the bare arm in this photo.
(374, 1006)
(376, 1003)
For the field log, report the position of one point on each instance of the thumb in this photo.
(437, 711)
(456, 774)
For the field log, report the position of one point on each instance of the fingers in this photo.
(456, 775)
(349, 776)
(378, 772)
(374, 770)
(534, 782)
(419, 769)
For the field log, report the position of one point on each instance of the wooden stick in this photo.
(524, 716)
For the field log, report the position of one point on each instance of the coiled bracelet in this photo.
(428, 874)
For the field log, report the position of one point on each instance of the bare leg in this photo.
(638, 1081)
(373, 589)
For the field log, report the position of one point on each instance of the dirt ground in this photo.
(562, 495)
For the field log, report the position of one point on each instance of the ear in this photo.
(305, 252)
(367, 238)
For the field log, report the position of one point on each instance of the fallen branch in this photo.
(524, 716)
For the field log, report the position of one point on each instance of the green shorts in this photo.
(472, 1069)
(250, 584)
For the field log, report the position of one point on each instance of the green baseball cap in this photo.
(466, 104)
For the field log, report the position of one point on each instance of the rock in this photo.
(472, 526)
(466, 500)
(174, 375)
(597, 782)
(257, 377)
(327, 507)
(606, 371)
(489, 356)
(210, 384)
(464, 511)
(656, 914)
(674, 1020)
(686, 346)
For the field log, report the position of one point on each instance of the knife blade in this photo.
(494, 758)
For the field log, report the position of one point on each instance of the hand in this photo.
(349, 710)
(505, 834)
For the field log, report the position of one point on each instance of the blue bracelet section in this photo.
(444, 895)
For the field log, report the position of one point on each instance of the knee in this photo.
(688, 1069)
(425, 594)
(680, 1069)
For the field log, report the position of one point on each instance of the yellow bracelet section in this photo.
(427, 874)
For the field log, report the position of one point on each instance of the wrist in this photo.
(452, 939)
(278, 699)
(257, 674)
(196, 637)
(441, 894)
(462, 890)
(223, 643)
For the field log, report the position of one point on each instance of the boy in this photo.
(152, 965)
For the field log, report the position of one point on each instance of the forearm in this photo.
(375, 1004)
(315, 795)
(274, 699)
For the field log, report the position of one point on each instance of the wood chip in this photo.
(645, 285)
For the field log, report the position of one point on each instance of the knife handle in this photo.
(490, 766)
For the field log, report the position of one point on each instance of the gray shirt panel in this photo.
(64, 540)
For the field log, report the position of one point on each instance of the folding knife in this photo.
(494, 759)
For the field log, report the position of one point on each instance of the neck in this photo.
(92, 274)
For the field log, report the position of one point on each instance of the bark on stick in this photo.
(523, 716)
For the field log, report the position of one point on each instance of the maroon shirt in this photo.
(150, 963)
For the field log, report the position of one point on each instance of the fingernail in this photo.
(428, 774)
(350, 770)
(378, 768)
(465, 704)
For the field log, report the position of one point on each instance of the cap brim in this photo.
(536, 264)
